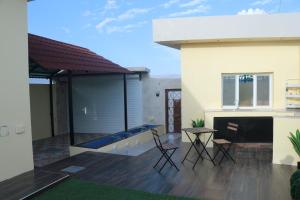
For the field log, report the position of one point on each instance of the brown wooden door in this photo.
(177, 116)
(173, 111)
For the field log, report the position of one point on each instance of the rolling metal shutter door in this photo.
(98, 104)
(135, 101)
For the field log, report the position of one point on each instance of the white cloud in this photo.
(170, 3)
(66, 30)
(110, 4)
(261, 2)
(191, 3)
(104, 22)
(197, 10)
(129, 14)
(252, 11)
(126, 28)
(132, 13)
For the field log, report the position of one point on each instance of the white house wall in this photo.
(15, 134)
(175, 31)
(154, 107)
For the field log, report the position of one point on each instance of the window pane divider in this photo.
(237, 91)
(254, 91)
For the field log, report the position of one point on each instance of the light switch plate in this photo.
(4, 131)
(20, 129)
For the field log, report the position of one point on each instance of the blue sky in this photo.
(121, 30)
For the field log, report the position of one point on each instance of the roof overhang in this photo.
(48, 58)
(236, 28)
(139, 69)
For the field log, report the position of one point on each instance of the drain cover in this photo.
(73, 169)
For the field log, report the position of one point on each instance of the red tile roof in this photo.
(55, 55)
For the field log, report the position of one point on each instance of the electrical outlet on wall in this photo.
(4, 131)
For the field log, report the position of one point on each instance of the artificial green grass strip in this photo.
(73, 189)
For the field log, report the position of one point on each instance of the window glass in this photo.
(246, 90)
(228, 90)
(263, 90)
(248, 86)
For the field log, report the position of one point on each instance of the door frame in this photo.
(166, 106)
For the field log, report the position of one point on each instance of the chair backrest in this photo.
(232, 127)
(156, 138)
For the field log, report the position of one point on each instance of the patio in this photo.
(252, 177)
(255, 76)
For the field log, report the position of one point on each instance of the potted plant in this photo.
(295, 140)
(198, 123)
(294, 185)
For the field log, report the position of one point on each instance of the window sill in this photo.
(246, 110)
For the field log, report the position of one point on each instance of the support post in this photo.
(51, 105)
(125, 102)
(70, 99)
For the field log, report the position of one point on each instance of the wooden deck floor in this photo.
(28, 183)
(253, 177)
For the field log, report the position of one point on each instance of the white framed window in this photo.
(246, 91)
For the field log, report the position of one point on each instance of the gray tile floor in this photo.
(50, 150)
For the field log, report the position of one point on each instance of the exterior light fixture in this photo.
(157, 94)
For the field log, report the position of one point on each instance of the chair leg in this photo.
(217, 152)
(187, 153)
(172, 160)
(158, 161)
(226, 154)
(168, 159)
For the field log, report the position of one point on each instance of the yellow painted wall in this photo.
(15, 149)
(203, 65)
(283, 152)
(40, 111)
